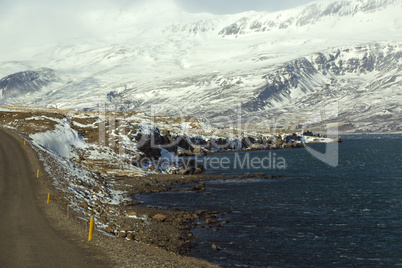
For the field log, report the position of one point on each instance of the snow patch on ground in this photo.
(62, 140)
(311, 139)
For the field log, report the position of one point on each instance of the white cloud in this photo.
(235, 6)
(25, 24)
(28, 24)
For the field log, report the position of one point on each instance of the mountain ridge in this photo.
(192, 67)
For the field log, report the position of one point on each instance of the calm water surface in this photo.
(317, 215)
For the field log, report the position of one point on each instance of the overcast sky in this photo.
(235, 6)
(212, 6)
(29, 23)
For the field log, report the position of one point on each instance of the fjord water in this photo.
(316, 215)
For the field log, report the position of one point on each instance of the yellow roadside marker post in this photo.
(91, 229)
(37, 174)
(25, 142)
(48, 198)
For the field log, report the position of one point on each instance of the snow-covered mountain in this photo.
(288, 64)
(318, 14)
(22, 83)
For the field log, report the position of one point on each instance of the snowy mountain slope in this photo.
(315, 14)
(365, 80)
(271, 64)
(371, 66)
(25, 82)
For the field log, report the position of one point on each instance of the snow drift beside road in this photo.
(62, 140)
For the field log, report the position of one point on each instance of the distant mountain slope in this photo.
(311, 14)
(366, 82)
(343, 70)
(20, 83)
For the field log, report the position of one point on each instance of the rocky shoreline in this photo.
(169, 229)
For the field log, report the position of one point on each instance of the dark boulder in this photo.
(199, 187)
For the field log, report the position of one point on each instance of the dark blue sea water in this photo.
(316, 216)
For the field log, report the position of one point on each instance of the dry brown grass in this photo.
(25, 123)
